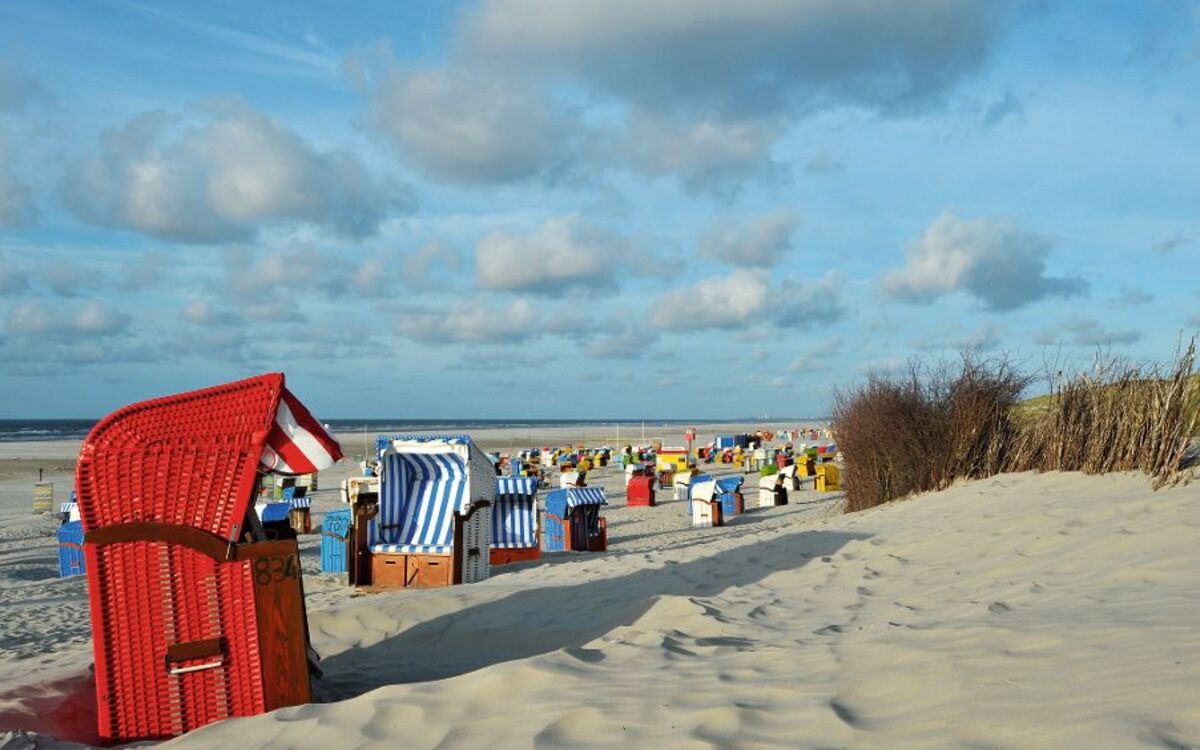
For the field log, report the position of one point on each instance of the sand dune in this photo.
(1020, 611)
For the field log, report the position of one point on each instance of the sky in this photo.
(599, 208)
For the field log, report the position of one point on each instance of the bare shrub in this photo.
(925, 429)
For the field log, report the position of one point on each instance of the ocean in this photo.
(14, 430)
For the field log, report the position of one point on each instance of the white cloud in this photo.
(564, 252)
(627, 342)
(725, 302)
(755, 55)
(69, 280)
(200, 312)
(32, 318)
(432, 260)
(36, 319)
(98, 319)
(1132, 297)
(470, 126)
(808, 303)
(375, 276)
(699, 91)
(258, 282)
(472, 322)
(817, 358)
(992, 259)
(1083, 331)
(220, 174)
(754, 301)
(760, 241)
(706, 154)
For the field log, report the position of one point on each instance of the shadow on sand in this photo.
(542, 620)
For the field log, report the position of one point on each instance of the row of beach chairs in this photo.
(196, 594)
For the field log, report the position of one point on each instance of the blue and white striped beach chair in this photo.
(434, 522)
(515, 521)
(573, 520)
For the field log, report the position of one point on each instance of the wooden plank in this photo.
(388, 570)
(192, 650)
(282, 628)
(459, 523)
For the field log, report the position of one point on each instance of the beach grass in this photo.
(931, 427)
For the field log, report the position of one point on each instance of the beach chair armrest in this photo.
(196, 539)
(210, 649)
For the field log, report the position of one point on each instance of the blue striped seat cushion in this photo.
(413, 549)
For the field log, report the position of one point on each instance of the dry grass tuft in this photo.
(1119, 417)
(925, 429)
(928, 428)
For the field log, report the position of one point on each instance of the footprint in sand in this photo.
(741, 644)
(846, 713)
(759, 612)
(830, 630)
(588, 655)
(674, 646)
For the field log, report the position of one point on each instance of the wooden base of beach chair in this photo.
(398, 570)
(732, 504)
(518, 554)
(465, 562)
(707, 514)
(300, 520)
(599, 542)
(557, 536)
(769, 498)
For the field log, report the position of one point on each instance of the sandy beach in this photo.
(950, 235)
(1020, 611)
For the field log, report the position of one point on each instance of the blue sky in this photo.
(602, 209)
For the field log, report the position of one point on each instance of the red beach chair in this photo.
(195, 617)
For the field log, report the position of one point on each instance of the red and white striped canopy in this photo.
(297, 443)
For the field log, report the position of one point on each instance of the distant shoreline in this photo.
(47, 430)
